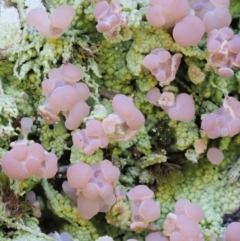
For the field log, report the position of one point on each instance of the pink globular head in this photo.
(71, 73)
(94, 128)
(149, 210)
(123, 105)
(221, 3)
(216, 19)
(226, 33)
(136, 120)
(190, 229)
(92, 146)
(150, 61)
(183, 110)
(52, 26)
(51, 167)
(232, 232)
(12, 167)
(78, 175)
(38, 17)
(176, 236)
(92, 187)
(209, 122)
(75, 116)
(215, 156)
(48, 85)
(103, 141)
(62, 16)
(23, 161)
(194, 212)
(101, 10)
(180, 205)
(225, 72)
(103, 26)
(213, 45)
(55, 74)
(108, 202)
(140, 192)
(107, 191)
(91, 191)
(63, 98)
(175, 9)
(80, 139)
(162, 55)
(234, 127)
(234, 45)
(20, 152)
(110, 172)
(188, 31)
(153, 95)
(155, 17)
(37, 151)
(33, 166)
(83, 91)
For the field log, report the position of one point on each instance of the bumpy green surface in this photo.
(162, 151)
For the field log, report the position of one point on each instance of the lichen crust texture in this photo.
(120, 120)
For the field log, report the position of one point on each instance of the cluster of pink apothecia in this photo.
(92, 187)
(95, 187)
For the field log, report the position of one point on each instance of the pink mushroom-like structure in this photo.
(23, 161)
(214, 14)
(144, 209)
(109, 17)
(90, 139)
(215, 156)
(64, 94)
(187, 29)
(224, 50)
(92, 187)
(185, 26)
(182, 109)
(189, 19)
(225, 122)
(166, 12)
(54, 25)
(232, 232)
(162, 65)
(123, 124)
(183, 225)
(126, 120)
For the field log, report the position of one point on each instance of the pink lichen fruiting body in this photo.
(52, 26)
(92, 187)
(64, 94)
(22, 162)
(232, 232)
(162, 65)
